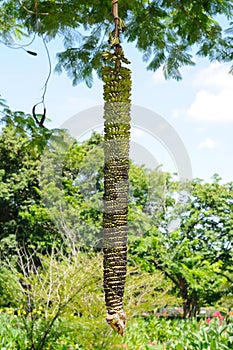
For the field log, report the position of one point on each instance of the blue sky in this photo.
(199, 108)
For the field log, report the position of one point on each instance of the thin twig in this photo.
(32, 12)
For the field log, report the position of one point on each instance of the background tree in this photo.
(193, 246)
(23, 220)
(27, 217)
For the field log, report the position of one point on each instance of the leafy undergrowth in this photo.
(60, 306)
(180, 334)
(79, 332)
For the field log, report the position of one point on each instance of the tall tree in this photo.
(23, 218)
(196, 255)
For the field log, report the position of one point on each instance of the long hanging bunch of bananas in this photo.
(117, 91)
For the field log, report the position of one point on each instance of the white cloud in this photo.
(215, 76)
(208, 143)
(213, 99)
(209, 106)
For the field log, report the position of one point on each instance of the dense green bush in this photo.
(75, 332)
(61, 301)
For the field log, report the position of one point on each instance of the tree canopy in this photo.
(168, 33)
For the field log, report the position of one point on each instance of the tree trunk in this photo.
(190, 306)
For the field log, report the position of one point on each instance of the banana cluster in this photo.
(117, 91)
(117, 87)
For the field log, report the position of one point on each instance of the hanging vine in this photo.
(117, 91)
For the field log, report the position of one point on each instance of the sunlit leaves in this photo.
(196, 255)
(164, 31)
(80, 62)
